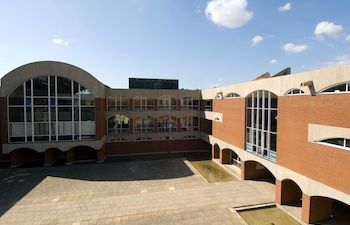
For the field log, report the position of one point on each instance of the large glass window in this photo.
(56, 108)
(295, 92)
(232, 95)
(261, 124)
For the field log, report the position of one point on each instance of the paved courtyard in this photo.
(163, 191)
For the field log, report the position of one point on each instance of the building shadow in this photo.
(17, 183)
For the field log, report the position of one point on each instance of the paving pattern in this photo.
(166, 191)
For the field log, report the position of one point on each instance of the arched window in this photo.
(166, 103)
(337, 142)
(189, 103)
(295, 91)
(261, 124)
(118, 124)
(219, 95)
(167, 124)
(144, 124)
(51, 108)
(232, 95)
(143, 104)
(338, 88)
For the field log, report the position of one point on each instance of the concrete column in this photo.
(50, 157)
(315, 209)
(70, 157)
(101, 154)
(17, 158)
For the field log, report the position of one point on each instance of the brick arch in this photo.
(216, 151)
(226, 155)
(254, 170)
(81, 153)
(22, 156)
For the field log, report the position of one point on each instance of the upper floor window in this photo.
(51, 108)
(337, 142)
(166, 103)
(189, 103)
(143, 104)
(232, 95)
(208, 105)
(338, 88)
(118, 103)
(295, 92)
(261, 124)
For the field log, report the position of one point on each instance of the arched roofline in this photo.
(249, 94)
(19, 75)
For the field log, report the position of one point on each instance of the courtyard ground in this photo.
(152, 191)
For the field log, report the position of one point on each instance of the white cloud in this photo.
(340, 60)
(257, 39)
(329, 29)
(273, 61)
(347, 38)
(285, 7)
(228, 13)
(293, 48)
(60, 41)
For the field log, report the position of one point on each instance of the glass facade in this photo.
(261, 124)
(51, 108)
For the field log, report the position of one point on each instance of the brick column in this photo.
(315, 209)
(131, 105)
(156, 125)
(70, 157)
(178, 104)
(278, 192)
(155, 104)
(225, 156)
(131, 126)
(50, 157)
(178, 124)
(101, 154)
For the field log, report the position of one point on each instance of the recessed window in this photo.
(232, 95)
(339, 88)
(337, 142)
(295, 92)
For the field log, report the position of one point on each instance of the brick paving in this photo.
(166, 191)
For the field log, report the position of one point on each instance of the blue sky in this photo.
(201, 43)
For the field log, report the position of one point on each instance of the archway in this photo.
(26, 157)
(291, 193)
(216, 151)
(321, 209)
(81, 154)
(253, 170)
(228, 156)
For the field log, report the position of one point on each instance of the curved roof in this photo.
(17, 76)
